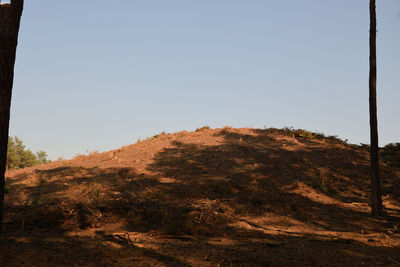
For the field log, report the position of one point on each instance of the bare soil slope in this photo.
(213, 197)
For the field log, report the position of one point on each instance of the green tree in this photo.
(19, 157)
(42, 157)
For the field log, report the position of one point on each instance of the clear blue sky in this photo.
(96, 75)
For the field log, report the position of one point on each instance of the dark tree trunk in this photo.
(10, 15)
(376, 200)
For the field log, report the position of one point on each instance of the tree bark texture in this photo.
(10, 16)
(376, 199)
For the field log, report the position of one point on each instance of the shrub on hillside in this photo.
(390, 154)
(19, 157)
(305, 134)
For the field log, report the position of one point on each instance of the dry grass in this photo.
(205, 198)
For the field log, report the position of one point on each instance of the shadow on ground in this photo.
(252, 199)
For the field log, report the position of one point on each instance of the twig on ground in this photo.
(394, 261)
(130, 240)
(219, 263)
(125, 237)
(92, 212)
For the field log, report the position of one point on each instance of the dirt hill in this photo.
(212, 197)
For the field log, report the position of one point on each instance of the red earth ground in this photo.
(213, 197)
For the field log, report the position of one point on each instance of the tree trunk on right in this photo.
(376, 199)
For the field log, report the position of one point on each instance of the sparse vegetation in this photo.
(93, 152)
(203, 128)
(158, 135)
(309, 135)
(390, 154)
